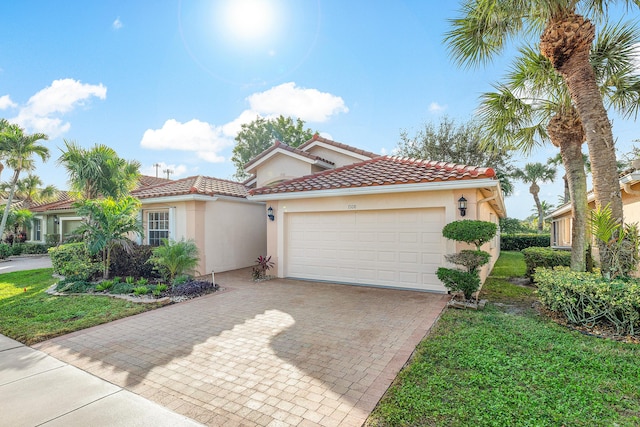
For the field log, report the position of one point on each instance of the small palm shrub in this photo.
(140, 290)
(172, 259)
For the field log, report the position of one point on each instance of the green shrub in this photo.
(74, 286)
(459, 281)
(130, 280)
(518, 242)
(162, 287)
(5, 251)
(73, 261)
(132, 264)
(140, 290)
(28, 249)
(470, 231)
(469, 259)
(121, 288)
(588, 299)
(52, 239)
(104, 285)
(545, 257)
(142, 281)
(173, 259)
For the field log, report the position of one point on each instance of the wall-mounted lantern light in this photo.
(270, 214)
(56, 221)
(462, 206)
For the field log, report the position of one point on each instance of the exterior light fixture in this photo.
(56, 221)
(462, 206)
(270, 214)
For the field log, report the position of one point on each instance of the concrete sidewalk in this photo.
(39, 390)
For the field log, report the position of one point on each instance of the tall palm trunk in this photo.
(12, 191)
(566, 42)
(534, 189)
(566, 131)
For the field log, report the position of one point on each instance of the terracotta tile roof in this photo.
(382, 170)
(280, 145)
(318, 138)
(147, 181)
(62, 201)
(199, 184)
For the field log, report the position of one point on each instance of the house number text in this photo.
(351, 206)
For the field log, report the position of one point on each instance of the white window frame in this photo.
(168, 219)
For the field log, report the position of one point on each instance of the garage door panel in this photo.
(401, 248)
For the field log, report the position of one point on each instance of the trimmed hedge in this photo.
(74, 262)
(588, 299)
(545, 257)
(470, 231)
(459, 280)
(28, 249)
(518, 242)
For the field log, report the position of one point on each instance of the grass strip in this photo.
(29, 315)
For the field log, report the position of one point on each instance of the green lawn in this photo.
(494, 368)
(29, 315)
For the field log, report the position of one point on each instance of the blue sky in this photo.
(170, 81)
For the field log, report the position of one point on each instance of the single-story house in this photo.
(561, 219)
(229, 230)
(341, 214)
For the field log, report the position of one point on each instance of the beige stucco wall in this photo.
(276, 233)
(281, 167)
(339, 158)
(229, 234)
(235, 234)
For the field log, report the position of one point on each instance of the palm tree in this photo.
(30, 189)
(534, 106)
(566, 37)
(98, 171)
(19, 150)
(107, 223)
(532, 174)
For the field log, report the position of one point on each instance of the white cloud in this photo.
(436, 108)
(117, 24)
(6, 102)
(206, 140)
(289, 100)
(177, 171)
(61, 97)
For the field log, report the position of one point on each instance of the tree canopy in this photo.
(18, 149)
(98, 171)
(260, 134)
(451, 142)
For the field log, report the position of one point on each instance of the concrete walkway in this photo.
(275, 353)
(20, 263)
(39, 390)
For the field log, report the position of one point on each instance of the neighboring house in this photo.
(341, 214)
(228, 229)
(561, 219)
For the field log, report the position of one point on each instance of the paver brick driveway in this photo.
(275, 353)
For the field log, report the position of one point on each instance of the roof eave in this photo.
(380, 189)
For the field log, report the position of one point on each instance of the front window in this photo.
(158, 227)
(37, 232)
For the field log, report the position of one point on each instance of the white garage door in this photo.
(399, 248)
